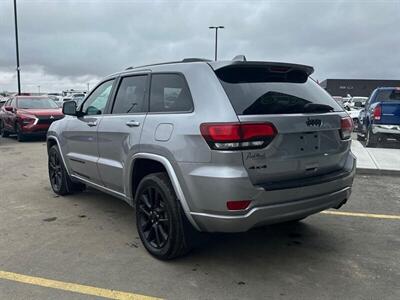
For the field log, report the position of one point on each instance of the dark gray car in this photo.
(206, 146)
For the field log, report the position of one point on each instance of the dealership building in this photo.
(356, 87)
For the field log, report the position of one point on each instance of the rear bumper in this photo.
(386, 129)
(210, 187)
(277, 213)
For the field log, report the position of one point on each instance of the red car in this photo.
(28, 115)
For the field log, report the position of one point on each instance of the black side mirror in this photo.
(69, 108)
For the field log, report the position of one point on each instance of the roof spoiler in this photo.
(274, 67)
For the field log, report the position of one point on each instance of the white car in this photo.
(354, 113)
(361, 100)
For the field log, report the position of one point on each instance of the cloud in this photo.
(67, 42)
(35, 76)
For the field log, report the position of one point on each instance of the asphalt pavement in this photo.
(85, 246)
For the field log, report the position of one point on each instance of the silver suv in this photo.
(201, 146)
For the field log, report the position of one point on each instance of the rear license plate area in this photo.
(308, 142)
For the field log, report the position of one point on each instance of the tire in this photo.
(162, 226)
(356, 124)
(60, 181)
(3, 132)
(372, 139)
(20, 136)
(360, 137)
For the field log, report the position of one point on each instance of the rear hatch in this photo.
(309, 142)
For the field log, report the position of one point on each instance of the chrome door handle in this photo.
(132, 123)
(92, 124)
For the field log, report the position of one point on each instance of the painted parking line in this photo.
(363, 215)
(72, 287)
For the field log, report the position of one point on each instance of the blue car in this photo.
(380, 119)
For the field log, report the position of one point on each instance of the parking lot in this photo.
(85, 246)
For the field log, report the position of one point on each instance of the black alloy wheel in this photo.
(55, 171)
(154, 219)
(161, 223)
(60, 181)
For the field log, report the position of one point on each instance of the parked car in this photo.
(66, 98)
(78, 98)
(355, 109)
(206, 146)
(359, 100)
(380, 119)
(56, 99)
(28, 115)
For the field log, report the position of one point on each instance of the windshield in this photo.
(36, 103)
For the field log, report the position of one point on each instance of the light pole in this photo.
(216, 38)
(16, 46)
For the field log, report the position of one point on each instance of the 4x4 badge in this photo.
(314, 122)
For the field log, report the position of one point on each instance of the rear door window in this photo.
(254, 91)
(131, 95)
(170, 93)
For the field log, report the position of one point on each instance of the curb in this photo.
(367, 171)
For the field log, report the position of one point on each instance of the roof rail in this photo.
(195, 59)
(185, 60)
(239, 57)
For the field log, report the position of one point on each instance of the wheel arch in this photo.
(51, 141)
(156, 163)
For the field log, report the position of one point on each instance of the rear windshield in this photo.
(36, 103)
(252, 94)
(385, 95)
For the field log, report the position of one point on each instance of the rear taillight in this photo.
(238, 136)
(377, 112)
(346, 127)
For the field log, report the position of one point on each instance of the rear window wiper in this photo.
(317, 108)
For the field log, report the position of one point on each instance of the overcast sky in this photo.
(65, 44)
